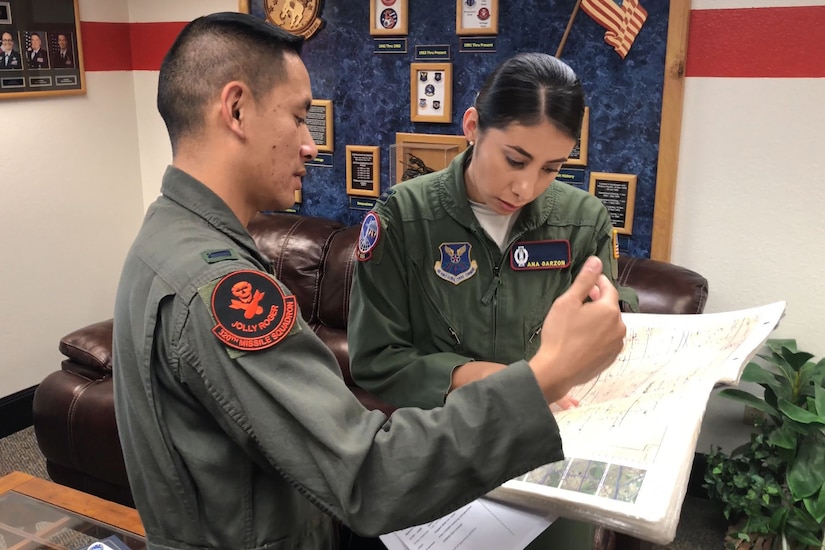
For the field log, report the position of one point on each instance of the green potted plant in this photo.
(773, 487)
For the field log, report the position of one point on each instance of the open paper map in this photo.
(630, 443)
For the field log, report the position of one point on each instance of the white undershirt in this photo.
(496, 225)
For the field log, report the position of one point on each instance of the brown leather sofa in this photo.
(73, 407)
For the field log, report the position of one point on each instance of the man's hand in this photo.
(580, 339)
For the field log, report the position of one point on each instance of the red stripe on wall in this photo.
(127, 46)
(106, 46)
(151, 41)
(757, 42)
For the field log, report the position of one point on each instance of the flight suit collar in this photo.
(191, 194)
(453, 197)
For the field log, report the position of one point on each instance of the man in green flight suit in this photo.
(236, 426)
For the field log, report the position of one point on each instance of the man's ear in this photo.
(235, 101)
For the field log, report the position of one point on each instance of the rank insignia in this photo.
(251, 311)
(368, 238)
(530, 255)
(455, 264)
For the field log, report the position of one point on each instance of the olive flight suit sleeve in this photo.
(288, 406)
(384, 357)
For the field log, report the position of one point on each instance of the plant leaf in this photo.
(816, 506)
(783, 437)
(749, 399)
(806, 475)
(797, 359)
(776, 344)
(798, 413)
(819, 400)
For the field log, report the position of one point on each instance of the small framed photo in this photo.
(618, 194)
(419, 154)
(431, 92)
(476, 17)
(363, 169)
(319, 122)
(578, 156)
(5, 13)
(388, 17)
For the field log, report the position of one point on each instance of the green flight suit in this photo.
(413, 320)
(409, 326)
(261, 449)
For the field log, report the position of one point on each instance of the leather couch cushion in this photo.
(90, 346)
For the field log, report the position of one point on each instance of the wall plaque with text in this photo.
(618, 194)
(363, 171)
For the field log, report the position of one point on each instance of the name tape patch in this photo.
(251, 311)
(530, 255)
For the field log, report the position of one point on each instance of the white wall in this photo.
(76, 174)
(750, 204)
(155, 151)
(71, 203)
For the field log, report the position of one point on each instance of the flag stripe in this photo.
(622, 24)
(757, 42)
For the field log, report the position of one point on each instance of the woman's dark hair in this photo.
(528, 89)
(211, 51)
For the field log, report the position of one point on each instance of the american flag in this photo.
(623, 20)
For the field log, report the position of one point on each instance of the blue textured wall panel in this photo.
(370, 92)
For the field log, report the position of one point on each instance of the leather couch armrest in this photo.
(90, 346)
(663, 287)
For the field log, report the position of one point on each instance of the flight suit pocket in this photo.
(433, 330)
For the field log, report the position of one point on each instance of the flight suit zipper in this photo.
(445, 322)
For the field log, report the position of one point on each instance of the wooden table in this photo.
(35, 514)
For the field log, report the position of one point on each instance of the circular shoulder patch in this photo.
(370, 232)
(251, 311)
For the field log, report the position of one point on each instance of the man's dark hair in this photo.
(212, 51)
(32, 35)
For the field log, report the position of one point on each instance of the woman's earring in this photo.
(472, 143)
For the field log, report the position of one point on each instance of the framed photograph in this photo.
(319, 122)
(431, 92)
(476, 17)
(578, 156)
(5, 13)
(41, 57)
(419, 154)
(388, 17)
(363, 169)
(618, 194)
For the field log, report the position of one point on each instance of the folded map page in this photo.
(629, 446)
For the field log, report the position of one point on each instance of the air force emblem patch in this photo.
(368, 238)
(455, 264)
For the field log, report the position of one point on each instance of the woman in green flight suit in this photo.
(458, 268)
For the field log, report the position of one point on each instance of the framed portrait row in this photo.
(472, 17)
(41, 51)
